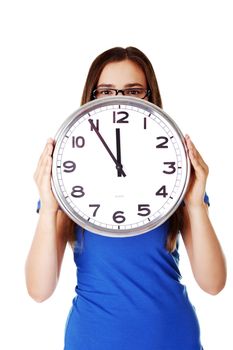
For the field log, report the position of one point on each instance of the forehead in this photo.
(122, 73)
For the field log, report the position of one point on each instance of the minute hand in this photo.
(118, 165)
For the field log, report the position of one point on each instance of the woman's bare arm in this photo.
(45, 256)
(204, 250)
(203, 247)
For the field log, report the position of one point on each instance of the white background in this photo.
(46, 50)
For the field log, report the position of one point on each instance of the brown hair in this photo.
(118, 54)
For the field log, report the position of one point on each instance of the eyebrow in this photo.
(127, 85)
(133, 84)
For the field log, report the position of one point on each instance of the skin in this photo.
(45, 256)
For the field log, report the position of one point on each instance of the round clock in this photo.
(120, 166)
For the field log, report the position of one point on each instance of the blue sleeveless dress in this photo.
(129, 295)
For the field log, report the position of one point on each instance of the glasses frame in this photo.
(147, 92)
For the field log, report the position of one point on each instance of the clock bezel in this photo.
(62, 131)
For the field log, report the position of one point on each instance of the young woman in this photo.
(129, 294)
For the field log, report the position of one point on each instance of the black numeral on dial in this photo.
(162, 192)
(96, 124)
(78, 141)
(171, 166)
(77, 192)
(69, 166)
(144, 123)
(163, 144)
(118, 217)
(96, 206)
(121, 120)
(143, 209)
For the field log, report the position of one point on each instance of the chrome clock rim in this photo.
(71, 120)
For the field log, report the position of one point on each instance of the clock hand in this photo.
(118, 165)
(118, 147)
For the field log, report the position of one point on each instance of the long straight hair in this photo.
(118, 54)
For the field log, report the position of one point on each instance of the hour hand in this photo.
(118, 165)
(118, 148)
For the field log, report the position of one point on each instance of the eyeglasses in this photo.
(133, 92)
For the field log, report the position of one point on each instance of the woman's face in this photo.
(122, 75)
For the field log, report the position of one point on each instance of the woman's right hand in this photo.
(42, 177)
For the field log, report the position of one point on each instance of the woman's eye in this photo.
(132, 92)
(106, 92)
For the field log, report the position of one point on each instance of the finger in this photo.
(190, 145)
(44, 173)
(196, 159)
(194, 152)
(48, 149)
(47, 152)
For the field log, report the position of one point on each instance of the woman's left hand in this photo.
(199, 172)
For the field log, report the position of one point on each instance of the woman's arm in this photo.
(204, 250)
(45, 255)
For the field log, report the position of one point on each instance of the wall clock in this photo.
(120, 166)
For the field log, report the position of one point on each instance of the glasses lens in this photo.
(98, 93)
(136, 92)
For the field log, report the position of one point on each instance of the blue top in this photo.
(129, 295)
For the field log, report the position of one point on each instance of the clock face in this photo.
(120, 166)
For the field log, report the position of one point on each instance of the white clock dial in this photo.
(120, 166)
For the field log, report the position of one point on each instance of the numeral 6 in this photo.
(118, 217)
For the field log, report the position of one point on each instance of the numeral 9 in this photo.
(69, 166)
